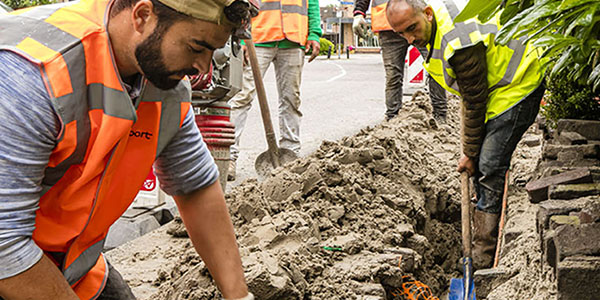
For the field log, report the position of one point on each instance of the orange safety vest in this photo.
(281, 19)
(379, 21)
(106, 146)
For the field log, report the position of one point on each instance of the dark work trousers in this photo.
(116, 288)
(394, 48)
(502, 134)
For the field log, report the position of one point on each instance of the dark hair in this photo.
(166, 15)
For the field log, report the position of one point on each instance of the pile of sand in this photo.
(348, 221)
(333, 225)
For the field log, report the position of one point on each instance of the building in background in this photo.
(330, 23)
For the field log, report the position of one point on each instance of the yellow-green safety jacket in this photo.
(513, 71)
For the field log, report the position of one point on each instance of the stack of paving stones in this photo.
(568, 219)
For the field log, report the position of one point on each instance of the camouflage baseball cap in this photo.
(207, 10)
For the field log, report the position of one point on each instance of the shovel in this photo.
(274, 156)
(464, 289)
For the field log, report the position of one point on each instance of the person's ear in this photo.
(143, 16)
(429, 13)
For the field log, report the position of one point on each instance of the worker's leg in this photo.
(242, 102)
(502, 136)
(439, 101)
(393, 48)
(288, 72)
(116, 288)
(437, 94)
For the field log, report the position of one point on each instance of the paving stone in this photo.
(550, 171)
(125, 230)
(583, 217)
(531, 140)
(538, 189)
(550, 208)
(548, 248)
(572, 240)
(487, 280)
(587, 128)
(559, 220)
(571, 138)
(572, 191)
(554, 151)
(578, 278)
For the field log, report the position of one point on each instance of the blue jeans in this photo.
(502, 134)
(394, 48)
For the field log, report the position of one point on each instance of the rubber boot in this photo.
(485, 237)
(231, 170)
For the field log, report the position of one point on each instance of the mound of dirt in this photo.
(348, 220)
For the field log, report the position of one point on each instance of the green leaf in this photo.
(567, 4)
(524, 19)
(562, 63)
(474, 7)
(594, 79)
(512, 9)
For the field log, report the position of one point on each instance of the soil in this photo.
(348, 221)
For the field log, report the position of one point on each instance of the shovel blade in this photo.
(457, 290)
(264, 164)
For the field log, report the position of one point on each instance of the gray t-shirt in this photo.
(29, 127)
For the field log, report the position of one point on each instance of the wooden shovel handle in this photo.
(465, 213)
(264, 105)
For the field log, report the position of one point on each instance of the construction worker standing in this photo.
(281, 32)
(394, 48)
(501, 87)
(91, 96)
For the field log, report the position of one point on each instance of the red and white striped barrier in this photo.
(414, 73)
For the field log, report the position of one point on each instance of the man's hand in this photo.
(466, 164)
(313, 46)
(359, 26)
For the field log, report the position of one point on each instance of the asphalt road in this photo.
(339, 97)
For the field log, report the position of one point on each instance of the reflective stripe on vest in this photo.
(514, 70)
(379, 21)
(281, 19)
(106, 146)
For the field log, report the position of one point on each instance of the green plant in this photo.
(325, 44)
(16, 4)
(567, 30)
(567, 99)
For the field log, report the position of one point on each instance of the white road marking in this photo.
(337, 76)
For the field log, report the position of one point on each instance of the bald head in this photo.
(412, 19)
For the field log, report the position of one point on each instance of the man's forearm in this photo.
(209, 226)
(470, 67)
(42, 281)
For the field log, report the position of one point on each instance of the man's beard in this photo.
(150, 59)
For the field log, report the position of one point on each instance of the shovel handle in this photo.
(264, 105)
(465, 213)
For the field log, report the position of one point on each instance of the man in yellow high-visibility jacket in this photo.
(501, 87)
